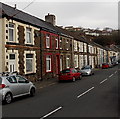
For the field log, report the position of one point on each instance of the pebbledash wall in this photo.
(19, 53)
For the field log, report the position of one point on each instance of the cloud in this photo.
(85, 14)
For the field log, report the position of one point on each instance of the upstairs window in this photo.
(85, 47)
(57, 43)
(75, 45)
(47, 41)
(11, 32)
(28, 36)
(60, 43)
(67, 44)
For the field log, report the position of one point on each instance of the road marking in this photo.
(51, 113)
(103, 81)
(111, 75)
(85, 92)
(115, 72)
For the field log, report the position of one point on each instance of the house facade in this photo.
(50, 58)
(20, 48)
(40, 50)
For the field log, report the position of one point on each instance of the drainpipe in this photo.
(41, 56)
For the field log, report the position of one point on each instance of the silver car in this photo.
(13, 85)
(87, 70)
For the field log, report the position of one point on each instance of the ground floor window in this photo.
(48, 63)
(61, 63)
(81, 61)
(76, 61)
(29, 63)
(85, 59)
(68, 62)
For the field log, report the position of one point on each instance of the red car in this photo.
(105, 65)
(69, 74)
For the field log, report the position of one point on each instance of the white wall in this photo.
(2, 45)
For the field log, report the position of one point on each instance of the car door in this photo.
(24, 85)
(13, 85)
(77, 73)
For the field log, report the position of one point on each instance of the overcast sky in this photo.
(87, 14)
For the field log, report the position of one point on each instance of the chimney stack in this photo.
(15, 6)
(50, 19)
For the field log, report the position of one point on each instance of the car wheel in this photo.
(8, 98)
(80, 77)
(32, 92)
(73, 79)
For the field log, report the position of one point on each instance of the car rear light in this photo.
(2, 85)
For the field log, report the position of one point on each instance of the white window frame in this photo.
(85, 58)
(81, 63)
(47, 41)
(48, 58)
(60, 43)
(81, 46)
(13, 30)
(67, 44)
(61, 62)
(85, 47)
(75, 45)
(57, 43)
(67, 62)
(29, 40)
(76, 61)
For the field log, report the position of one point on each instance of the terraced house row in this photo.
(39, 49)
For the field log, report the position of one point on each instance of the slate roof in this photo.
(12, 13)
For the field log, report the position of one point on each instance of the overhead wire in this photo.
(23, 8)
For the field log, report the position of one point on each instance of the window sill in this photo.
(48, 71)
(29, 73)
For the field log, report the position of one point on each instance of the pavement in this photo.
(51, 81)
(45, 83)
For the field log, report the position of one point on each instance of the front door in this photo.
(12, 63)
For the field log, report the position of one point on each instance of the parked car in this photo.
(115, 63)
(69, 74)
(87, 70)
(105, 65)
(13, 85)
(110, 65)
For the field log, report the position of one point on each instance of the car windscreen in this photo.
(65, 71)
(86, 68)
